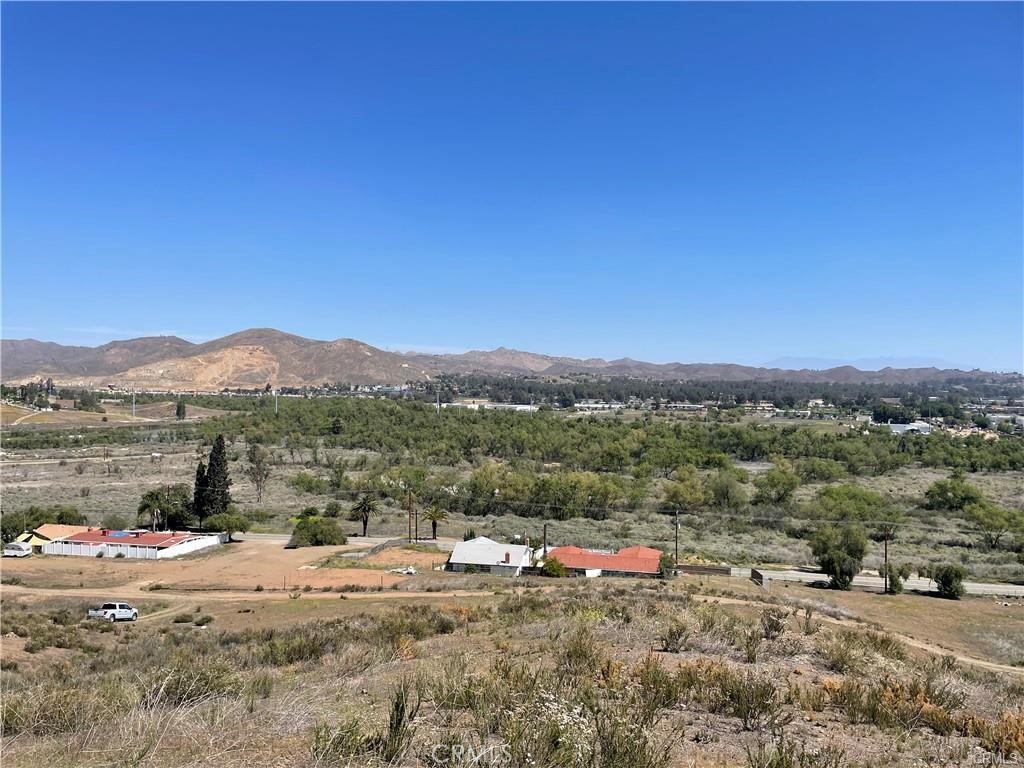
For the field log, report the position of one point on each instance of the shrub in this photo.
(306, 482)
(786, 753)
(553, 567)
(1006, 736)
(949, 580)
(754, 700)
(675, 637)
(348, 739)
(317, 532)
(773, 623)
(840, 552)
(952, 494)
(191, 682)
(839, 654)
(579, 656)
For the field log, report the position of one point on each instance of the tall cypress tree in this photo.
(217, 480)
(200, 501)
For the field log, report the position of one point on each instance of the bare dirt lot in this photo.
(13, 415)
(243, 565)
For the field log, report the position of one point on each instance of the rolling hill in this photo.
(260, 356)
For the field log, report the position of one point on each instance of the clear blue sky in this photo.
(666, 181)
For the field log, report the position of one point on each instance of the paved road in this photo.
(446, 545)
(921, 585)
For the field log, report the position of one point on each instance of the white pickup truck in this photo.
(114, 612)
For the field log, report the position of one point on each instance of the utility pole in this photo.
(885, 559)
(133, 401)
(275, 402)
(408, 506)
(677, 535)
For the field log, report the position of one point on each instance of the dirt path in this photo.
(138, 590)
(921, 645)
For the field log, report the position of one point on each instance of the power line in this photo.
(667, 512)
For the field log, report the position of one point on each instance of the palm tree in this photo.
(149, 509)
(436, 514)
(365, 508)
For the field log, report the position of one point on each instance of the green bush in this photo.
(949, 580)
(317, 532)
(553, 567)
(840, 552)
(306, 482)
(954, 493)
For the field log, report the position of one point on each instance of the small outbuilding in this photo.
(483, 555)
(49, 532)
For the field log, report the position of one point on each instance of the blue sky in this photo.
(666, 181)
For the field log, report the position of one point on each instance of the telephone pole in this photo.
(677, 535)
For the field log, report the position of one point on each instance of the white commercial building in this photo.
(144, 545)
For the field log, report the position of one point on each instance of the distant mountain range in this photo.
(260, 356)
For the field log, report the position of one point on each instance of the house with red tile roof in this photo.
(631, 561)
(145, 545)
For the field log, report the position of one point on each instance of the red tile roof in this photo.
(138, 538)
(629, 560)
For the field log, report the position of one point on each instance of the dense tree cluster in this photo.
(13, 524)
(645, 447)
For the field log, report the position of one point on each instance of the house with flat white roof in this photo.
(483, 555)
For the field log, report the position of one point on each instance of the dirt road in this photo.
(921, 645)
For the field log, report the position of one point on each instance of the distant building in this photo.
(484, 555)
(920, 427)
(476, 405)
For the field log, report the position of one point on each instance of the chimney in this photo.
(507, 558)
(544, 551)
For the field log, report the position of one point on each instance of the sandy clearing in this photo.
(239, 566)
(398, 557)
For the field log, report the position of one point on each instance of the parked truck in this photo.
(114, 612)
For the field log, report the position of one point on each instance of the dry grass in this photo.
(567, 676)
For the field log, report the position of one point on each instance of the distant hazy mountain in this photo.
(863, 363)
(261, 356)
